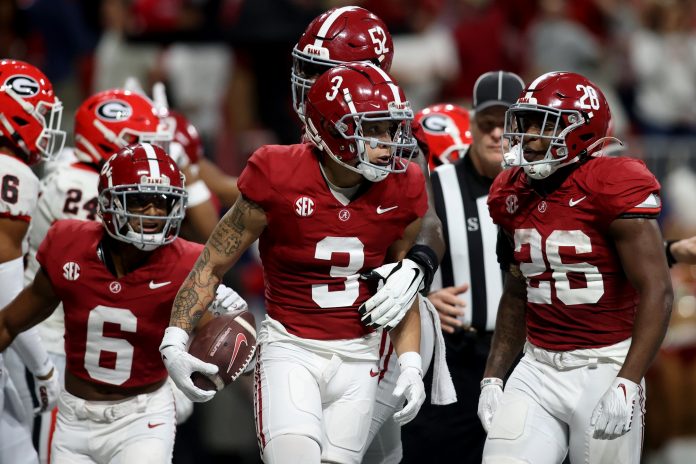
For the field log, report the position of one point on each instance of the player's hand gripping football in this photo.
(491, 392)
(181, 364)
(613, 414)
(387, 307)
(47, 388)
(227, 301)
(410, 386)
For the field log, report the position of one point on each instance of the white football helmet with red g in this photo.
(132, 179)
(341, 35)
(573, 113)
(30, 113)
(342, 101)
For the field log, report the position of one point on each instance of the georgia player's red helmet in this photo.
(131, 180)
(186, 148)
(447, 132)
(30, 113)
(574, 114)
(113, 119)
(346, 98)
(341, 35)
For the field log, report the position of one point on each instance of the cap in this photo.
(497, 88)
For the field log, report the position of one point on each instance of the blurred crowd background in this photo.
(227, 64)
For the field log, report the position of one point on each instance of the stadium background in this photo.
(227, 64)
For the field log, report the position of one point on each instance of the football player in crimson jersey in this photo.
(104, 123)
(117, 284)
(323, 212)
(353, 34)
(30, 116)
(587, 285)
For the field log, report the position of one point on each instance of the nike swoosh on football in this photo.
(575, 202)
(241, 338)
(381, 210)
(152, 426)
(154, 286)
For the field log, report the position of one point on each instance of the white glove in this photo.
(409, 385)
(612, 416)
(47, 391)
(387, 307)
(491, 392)
(226, 301)
(180, 364)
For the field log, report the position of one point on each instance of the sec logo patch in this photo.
(304, 206)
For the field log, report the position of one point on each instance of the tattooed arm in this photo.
(235, 232)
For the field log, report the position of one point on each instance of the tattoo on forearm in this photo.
(227, 236)
(188, 305)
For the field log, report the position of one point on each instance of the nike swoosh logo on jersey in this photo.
(150, 425)
(381, 210)
(572, 202)
(154, 286)
(373, 373)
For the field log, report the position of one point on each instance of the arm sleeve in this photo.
(630, 190)
(254, 181)
(505, 250)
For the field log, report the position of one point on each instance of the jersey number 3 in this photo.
(326, 247)
(541, 294)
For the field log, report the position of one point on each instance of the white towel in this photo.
(443, 389)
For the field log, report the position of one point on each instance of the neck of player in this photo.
(338, 175)
(122, 257)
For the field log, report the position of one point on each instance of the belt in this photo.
(97, 412)
(563, 359)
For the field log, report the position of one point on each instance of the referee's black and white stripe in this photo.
(460, 198)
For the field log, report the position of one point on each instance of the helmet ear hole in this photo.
(20, 121)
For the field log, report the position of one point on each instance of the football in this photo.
(229, 342)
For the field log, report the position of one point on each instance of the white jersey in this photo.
(19, 189)
(69, 191)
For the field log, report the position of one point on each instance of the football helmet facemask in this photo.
(30, 113)
(568, 110)
(133, 182)
(338, 36)
(347, 99)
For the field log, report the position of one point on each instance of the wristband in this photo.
(671, 260)
(491, 381)
(411, 359)
(424, 256)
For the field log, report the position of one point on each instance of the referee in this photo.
(468, 285)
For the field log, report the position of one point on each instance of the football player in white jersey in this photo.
(30, 115)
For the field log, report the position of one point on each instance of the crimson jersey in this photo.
(113, 326)
(314, 247)
(578, 295)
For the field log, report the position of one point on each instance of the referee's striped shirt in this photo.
(460, 201)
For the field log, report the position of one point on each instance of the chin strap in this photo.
(600, 142)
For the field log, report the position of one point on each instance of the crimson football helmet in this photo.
(186, 148)
(30, 113)
(113, 119)
(447, 132)
(346, 98)
(340, 35)
(132, 180)
(573, 114)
